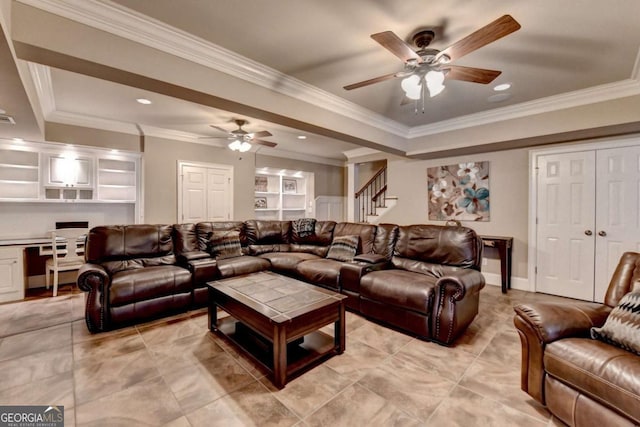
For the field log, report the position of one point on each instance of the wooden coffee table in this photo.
(276, 320)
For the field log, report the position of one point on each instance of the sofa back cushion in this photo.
(114, 242)
(385, 241)
(126, 247)
(437, 245)
(204, 230)
(322, 234)
(366, 232)
(625, 279)
(264, 232)
(185, 238)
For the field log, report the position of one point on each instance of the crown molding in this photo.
(75, 119)
(605, 92)
(41, 76)
(360, 152)
(276, 152)
(123, 22)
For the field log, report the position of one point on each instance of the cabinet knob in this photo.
(588, 232)
(602, 233)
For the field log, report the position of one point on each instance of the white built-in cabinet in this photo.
(11, 274)
(61, 173)
(19, 174)
(586, 207)
(283, 194)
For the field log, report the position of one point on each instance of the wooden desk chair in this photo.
(64, 260)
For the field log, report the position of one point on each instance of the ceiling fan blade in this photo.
(261, 134)
(470, 74)
(219, 128)
(499, 28)
(214, 137)
(263, 142)
(396, 45)
(371, 81)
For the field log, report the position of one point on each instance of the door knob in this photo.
(588, 232)
(602, 233)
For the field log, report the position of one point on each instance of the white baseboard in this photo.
(520, 283)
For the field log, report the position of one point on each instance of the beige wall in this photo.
(57, 132)
(366, 170)
(509, 187)
(160, 179)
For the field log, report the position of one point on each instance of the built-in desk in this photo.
(12, 265)
(503, 245)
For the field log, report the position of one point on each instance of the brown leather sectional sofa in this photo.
(582, 381)
(424, 279)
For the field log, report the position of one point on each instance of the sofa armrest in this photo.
(95, 280)
(456, 304)
(185, 257)
(351, 273)
(203, 270)
(370, 258)
(93, 276)
(553, 321)
(539, 324)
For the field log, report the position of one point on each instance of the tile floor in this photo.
(173, 372)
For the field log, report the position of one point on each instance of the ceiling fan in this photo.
(433, 65)
(241, 140)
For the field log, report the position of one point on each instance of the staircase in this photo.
(372, 200)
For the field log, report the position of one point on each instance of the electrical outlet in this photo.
(484, 261)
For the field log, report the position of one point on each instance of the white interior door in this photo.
(218, 194)
(566, 218)
(194, 194)
(205, 192)
(617, 211)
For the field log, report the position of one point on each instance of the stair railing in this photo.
(371, 196)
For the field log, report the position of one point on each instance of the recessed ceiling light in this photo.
(144, 101)
(302, 137)
(501, 87)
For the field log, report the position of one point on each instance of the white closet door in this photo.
(565, 233)
(206, 192)
(219, 194)
(194, 194)
(617, 211)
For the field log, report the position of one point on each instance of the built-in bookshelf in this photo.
(282, 194)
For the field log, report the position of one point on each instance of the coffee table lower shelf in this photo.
(302, 353)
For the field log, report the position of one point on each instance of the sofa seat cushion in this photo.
(400, 288)
(602, 371)
(323, 272)
(131, 286)
(286, 262)
(246, 264)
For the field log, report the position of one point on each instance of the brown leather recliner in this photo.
(582, 381)
(131, 274)
(429, 287)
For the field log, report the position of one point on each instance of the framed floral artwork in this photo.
(459, 192)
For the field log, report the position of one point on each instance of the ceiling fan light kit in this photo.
(432, 65)
(241, 140)
(242, 147)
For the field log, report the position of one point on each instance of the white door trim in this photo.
(612, 142)
(182, 163)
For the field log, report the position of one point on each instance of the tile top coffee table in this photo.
(276, 320)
